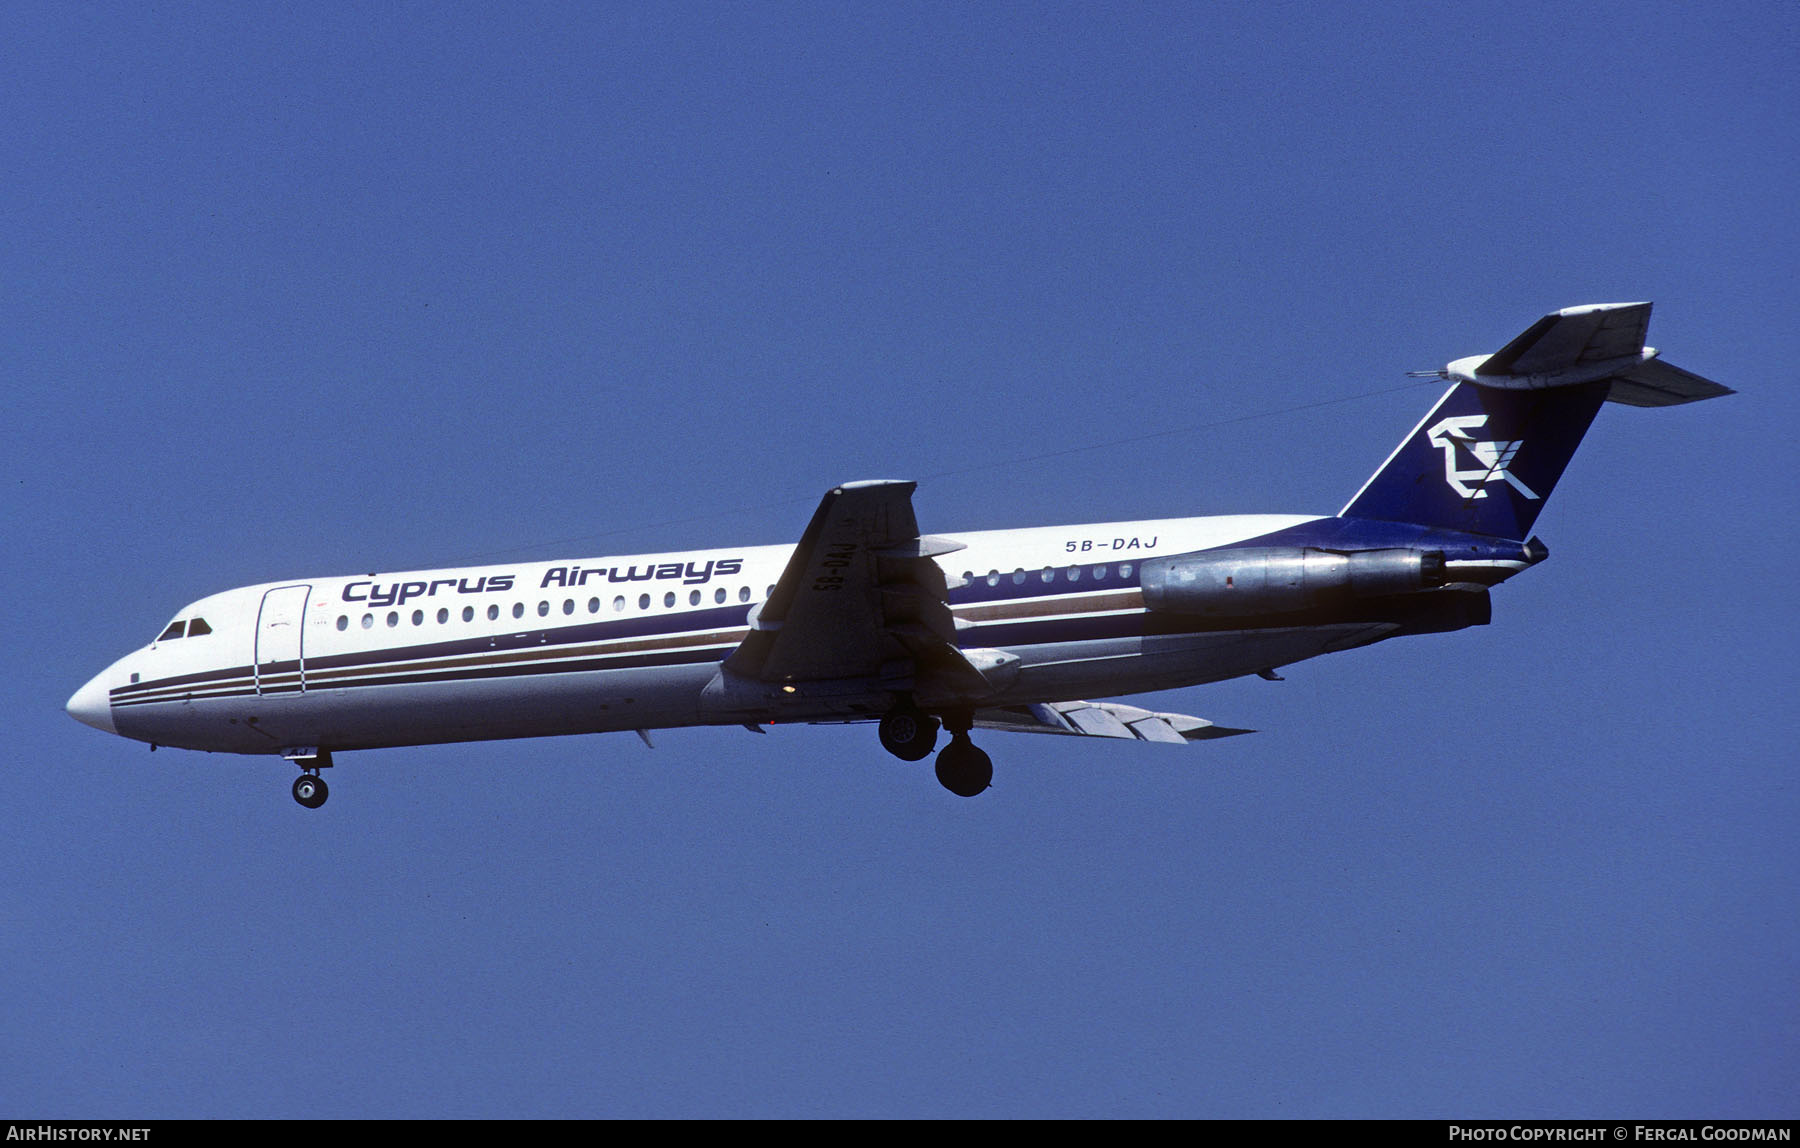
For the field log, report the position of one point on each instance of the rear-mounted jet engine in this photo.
(1245, 582)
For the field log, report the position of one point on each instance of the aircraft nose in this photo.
(92, 706)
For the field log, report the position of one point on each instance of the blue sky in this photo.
(303, 291)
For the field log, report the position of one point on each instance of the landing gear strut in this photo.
(908, 733)
(962, 767)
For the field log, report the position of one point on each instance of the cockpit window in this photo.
(197, 627)
(174, 631)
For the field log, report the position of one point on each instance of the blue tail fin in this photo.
(1488, 455)
(1483, 461)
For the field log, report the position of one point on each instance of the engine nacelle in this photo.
(1279, 580)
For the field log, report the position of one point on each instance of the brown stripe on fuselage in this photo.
(1048, 607)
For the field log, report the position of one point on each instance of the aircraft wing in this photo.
(1102, 719)
(860, 598)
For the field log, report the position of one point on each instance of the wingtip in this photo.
(1208, 733)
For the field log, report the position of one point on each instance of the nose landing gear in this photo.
(310, 789)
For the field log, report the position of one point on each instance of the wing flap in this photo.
(1096, 721)
(1156, 729)
(1102, 719)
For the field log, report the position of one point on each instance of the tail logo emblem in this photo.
(1494, 457)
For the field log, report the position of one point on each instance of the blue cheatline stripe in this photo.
(404, 673)
(726, 618)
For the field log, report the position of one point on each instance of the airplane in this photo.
(868, 619)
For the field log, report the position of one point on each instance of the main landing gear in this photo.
(910, 734)
(963, 768)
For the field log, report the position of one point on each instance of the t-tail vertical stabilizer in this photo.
(1488, 455)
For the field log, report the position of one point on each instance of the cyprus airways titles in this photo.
(373, 593)
(867, 618)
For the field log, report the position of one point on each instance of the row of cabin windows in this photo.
(195, 627)
(1049, 574)
(192, 629)
(695, 597)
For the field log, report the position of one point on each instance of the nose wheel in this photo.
(310, 790)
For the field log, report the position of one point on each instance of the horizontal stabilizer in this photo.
(1577, 345)
(1102, 719)
(1659, 384)
(1573, 337)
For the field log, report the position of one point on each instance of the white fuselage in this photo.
(636, 642)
